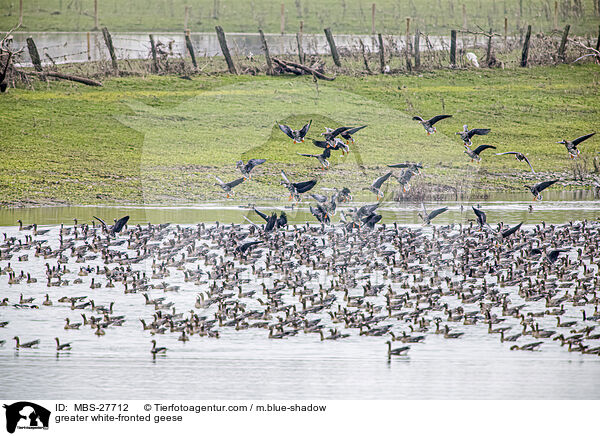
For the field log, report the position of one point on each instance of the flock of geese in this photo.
(531, 287)
(339, 139)
(527, 287)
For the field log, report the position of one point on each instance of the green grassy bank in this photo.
(162, 139)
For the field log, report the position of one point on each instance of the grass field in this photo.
(162, 139)
(343, 16)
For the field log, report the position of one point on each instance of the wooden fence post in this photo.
(225, 49)
(453, 48)
(505, 32)
(556, 14)
(464, 13)
(89, 46)
(417, 50)
(373, 7)
(563, 43)
(407, 51)
(186, 19)
(34, 55)
(301, 56)
(154, 58)
(95, 15)
(598, 41)
(111, 49)
(526, 47)
(381, 54)
(334, 53)
(20, 13)
(282, 18)
(266, 50)
(190, 47)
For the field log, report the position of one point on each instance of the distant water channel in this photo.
(66, 47)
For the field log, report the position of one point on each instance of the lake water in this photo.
(246, 364)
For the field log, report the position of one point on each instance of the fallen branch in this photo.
(63, 76)
(595, 52)
(294, 66)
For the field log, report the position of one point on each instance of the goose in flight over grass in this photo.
(332, 141)
(347, 134)
(245, 169)
(375, 187)
(296, 135)
(404, 178)
(428, 124)
(415, 167)
(571, 146)
(519, 156)
(228, 187)
(474, 154)
(322, 158)
(297, 188)
(467, 134)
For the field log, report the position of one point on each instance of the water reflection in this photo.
(557, 207)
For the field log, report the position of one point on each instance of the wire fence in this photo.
(323, 56)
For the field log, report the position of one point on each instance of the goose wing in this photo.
(336, 132)
(245, 246)
(250, 221)
(304, 129)
(381, 180)
(235, 182)
(482, 148)
(285, 179)
(481, 217)
(309, 155)
(366, 210)
(437, 118)
(305, 186)
(508, 232)
(254, 163)
(321, 144)
(528, 163)
(582, 138)
(320, 198)
(541, 186)
(437, 212)
(353, 130)
(221, 182)
(285, 129)
(120, 224)
(473, 132)
(261, 214)
(553, 255)
(271, 222)
(101, 221)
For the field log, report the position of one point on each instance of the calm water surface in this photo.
(246, 364)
